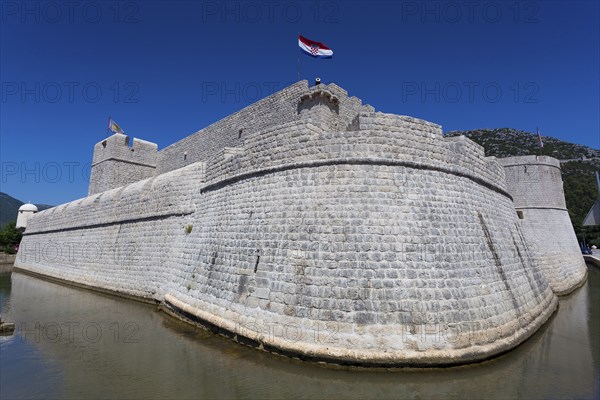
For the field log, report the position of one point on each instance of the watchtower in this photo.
(536, 185)
(120, 160)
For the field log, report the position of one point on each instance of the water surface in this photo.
(75, 344)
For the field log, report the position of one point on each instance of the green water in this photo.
(89, 345)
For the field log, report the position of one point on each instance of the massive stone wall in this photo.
(379, 243)
(536, 186)
(116, 240)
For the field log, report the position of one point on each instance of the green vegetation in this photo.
(9, 238)
(578, 172)
(507, 142)
(581, 193)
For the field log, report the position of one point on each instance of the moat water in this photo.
(74, 344)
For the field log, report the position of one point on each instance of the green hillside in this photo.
(578, 164)
(9, 206)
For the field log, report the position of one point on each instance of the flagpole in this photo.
(298, 57)
(108, 126)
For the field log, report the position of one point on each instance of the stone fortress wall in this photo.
(336, 233)
(116, 163)
(536, 186)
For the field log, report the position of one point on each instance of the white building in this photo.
(25, 212)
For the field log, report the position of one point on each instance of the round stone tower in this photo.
(536, 186)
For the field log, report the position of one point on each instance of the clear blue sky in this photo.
(164, 70)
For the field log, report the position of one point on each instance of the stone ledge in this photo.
(355, 357)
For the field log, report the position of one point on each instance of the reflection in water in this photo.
(88, 345)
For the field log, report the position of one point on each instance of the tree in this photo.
(9, 237)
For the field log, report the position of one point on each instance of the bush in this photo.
(9, 250)
(9, 237)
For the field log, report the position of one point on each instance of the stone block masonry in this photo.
(325, 231)
(535, 183)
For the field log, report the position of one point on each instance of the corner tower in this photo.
(120, 160)
(536, 186)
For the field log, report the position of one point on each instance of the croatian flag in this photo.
(314, 49)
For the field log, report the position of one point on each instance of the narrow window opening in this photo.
(240, 133)
(520, 214)
(104, 143)
(185, 156)
(256, 265)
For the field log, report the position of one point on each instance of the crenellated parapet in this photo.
(325, 104)
(120, 160)
(376, 138)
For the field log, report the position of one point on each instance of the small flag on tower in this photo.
(314, 49)
(540, 143)
(113, 126)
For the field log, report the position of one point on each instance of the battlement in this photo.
(327, 105)
(120, 160)
(374, 138)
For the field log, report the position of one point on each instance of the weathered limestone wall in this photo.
(370, 246)
(279, 108)
(117, 240)
(536, 185)
(118, 162)
(378, 243)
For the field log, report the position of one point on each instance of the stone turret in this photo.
(25, 212)
(536, 186)
(119, 160)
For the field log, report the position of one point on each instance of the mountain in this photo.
(9, 207)
(578, 164)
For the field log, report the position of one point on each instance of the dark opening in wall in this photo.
(104, 143)
(240, 133)
(185, 156)
(257, 260)
(520, 214)
(256, 265)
